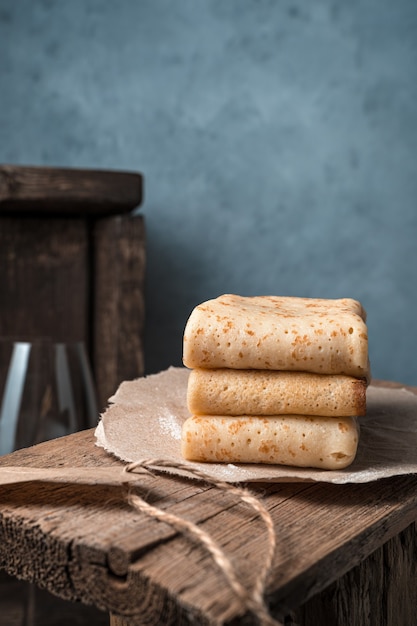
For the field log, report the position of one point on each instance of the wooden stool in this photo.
(72, 259)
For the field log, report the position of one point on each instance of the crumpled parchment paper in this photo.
(144, 419)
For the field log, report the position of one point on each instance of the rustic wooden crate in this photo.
(72, 264)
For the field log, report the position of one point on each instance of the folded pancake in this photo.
(270, 392)
(278, 333)
(301, 441)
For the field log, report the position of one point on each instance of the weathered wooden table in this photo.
(346, 554)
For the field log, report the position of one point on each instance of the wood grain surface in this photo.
(45, 280)
(84, 542)
(380, 591)
(118, 301)
(61, 191)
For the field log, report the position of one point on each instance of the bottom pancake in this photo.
(296, 440)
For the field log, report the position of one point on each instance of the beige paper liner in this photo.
(144, 419)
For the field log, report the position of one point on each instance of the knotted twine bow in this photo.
(251, 600)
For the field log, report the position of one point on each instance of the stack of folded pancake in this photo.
(276, 380)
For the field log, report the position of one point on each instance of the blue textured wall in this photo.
(278, 140)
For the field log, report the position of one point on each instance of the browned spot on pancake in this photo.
(235, 426)
(338, 455)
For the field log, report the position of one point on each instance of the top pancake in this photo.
(278, 333)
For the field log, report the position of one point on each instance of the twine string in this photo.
(250, 599)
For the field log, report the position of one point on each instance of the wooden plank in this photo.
(100, 518)
(314, 549)
(44, 278)
(167, 560)
(400, 577)
(118, 307)
(68, 190)
(380, 591)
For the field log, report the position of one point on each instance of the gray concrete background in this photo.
(278, 141)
